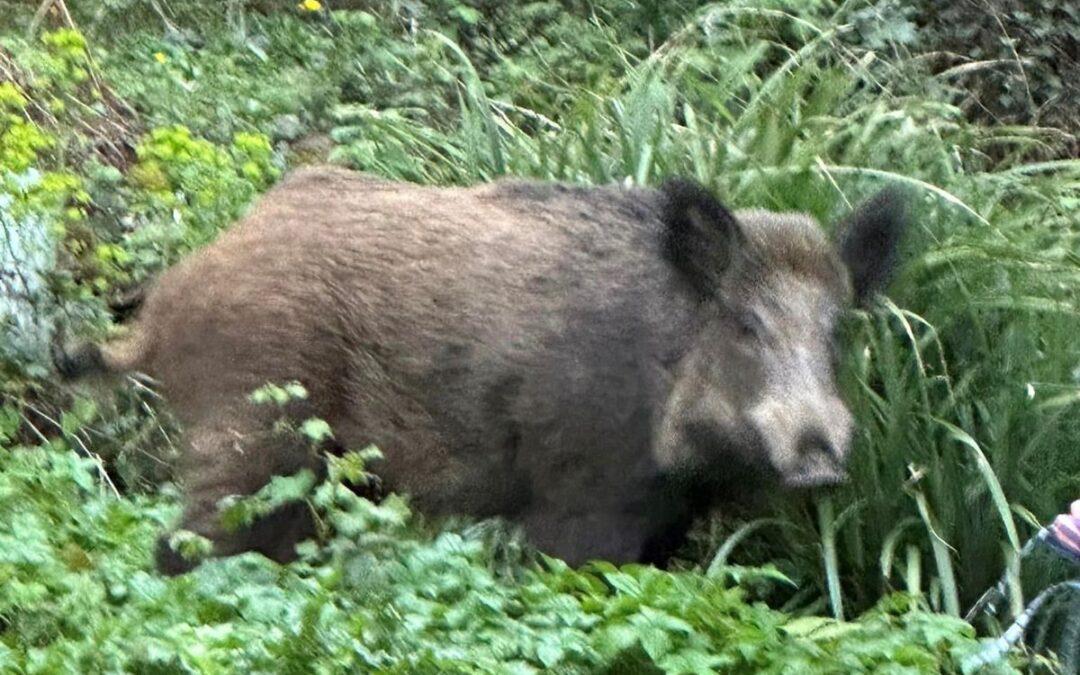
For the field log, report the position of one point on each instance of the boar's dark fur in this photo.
(598, 364)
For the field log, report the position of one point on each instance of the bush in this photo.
(185, 189)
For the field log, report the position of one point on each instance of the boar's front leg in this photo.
(580, 537)
(237, 457)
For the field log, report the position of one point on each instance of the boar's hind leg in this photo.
(238, 458)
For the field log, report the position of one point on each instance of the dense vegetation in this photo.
(132, 131)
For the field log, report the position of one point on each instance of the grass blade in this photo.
(827, 526)
(942, 559)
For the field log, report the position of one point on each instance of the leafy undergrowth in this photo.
(78, 594)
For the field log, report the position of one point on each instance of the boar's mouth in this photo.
(722, 462)
(744, 461)
(816, 477)
(818, 469)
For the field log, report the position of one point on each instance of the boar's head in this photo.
(755, 396)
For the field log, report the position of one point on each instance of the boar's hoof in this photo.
(370, 489)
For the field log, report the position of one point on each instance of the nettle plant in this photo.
(345, 469)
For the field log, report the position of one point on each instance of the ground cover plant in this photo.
(132, 131)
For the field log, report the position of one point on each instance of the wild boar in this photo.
(597, 364)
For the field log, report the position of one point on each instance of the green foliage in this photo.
(316, 430)
(67, 64)
(1019, 61)
(19, 140)
(278, 394)
(381, 596)
(40, 199)
(187, 188)
(67, 548)
(237, 512)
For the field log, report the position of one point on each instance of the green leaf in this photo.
(316, 430)
(10, 421)
(189, 545)
(805, 625)
(236, 511)
(465, 14)
(278, 395)
(82, 412)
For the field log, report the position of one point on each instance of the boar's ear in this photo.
(702, 237)
(868, 239)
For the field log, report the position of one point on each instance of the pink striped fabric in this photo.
(1066, 529)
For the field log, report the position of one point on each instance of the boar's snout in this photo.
(806, 440)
